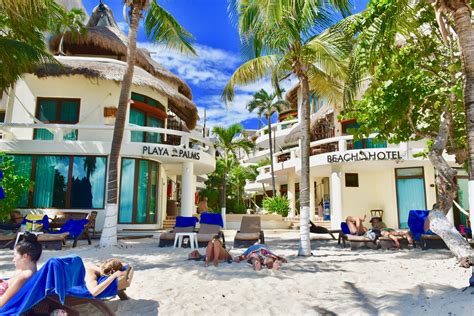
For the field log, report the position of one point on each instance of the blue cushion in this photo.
(184, 221)
(345, 228)
(416, 222)
(212, 219)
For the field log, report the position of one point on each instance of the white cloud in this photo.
(210, 71)
(123, 26)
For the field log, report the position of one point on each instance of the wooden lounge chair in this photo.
(53, 241)
(357, 242)
(207, 232)
(250, 232)
(7, 241)
(315, 229)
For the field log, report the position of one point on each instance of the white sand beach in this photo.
(334, 281)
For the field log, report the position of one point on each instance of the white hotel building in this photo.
(348, 178)
(58, 125)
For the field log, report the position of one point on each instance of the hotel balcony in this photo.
(280, 130)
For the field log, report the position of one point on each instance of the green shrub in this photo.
(278, 204)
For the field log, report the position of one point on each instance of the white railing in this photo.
(59, 130)
(280, 126)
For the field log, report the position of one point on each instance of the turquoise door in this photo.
(463, 199)
(410, 193)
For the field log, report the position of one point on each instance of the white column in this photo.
(187, 195)
(291, 194)
(312, 199)
(335, 183)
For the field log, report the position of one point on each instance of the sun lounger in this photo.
(183, 225)
(7, 241)
(355, 241)
(424, 239)
(250, 232)
(60, 280)
(387, 243)
(75, 229)
(210, 226)
(315, 229)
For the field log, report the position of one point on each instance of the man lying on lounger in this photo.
(390, 232)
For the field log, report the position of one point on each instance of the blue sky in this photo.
(218, 46)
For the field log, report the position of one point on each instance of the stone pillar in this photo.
(291, 194)
(312, 199)
(335, 183)
(187, 190)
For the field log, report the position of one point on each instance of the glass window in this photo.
(51, 181)
(352, 180)
(147, 100)
(142, 193)
(127, 190)
(138, 118)
(88, 182)
(23, 168)
(410, 172)
(154, 137)
(154, 192)
(59, 111)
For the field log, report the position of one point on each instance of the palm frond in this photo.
(249, 72)
(161, 27)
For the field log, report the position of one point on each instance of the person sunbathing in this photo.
(98, 278)
(391, 233)
(25, 257)
(216, 252)
(355, 225)
(259, 255)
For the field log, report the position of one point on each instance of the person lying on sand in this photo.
(355, 225)
(98, 278)
(216, 252)
(390, 232)
(258, 255)
(25, 256)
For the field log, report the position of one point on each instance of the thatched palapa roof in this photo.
(104, 38)
(109, 69)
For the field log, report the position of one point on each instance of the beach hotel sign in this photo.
(361, 156)
(170, 152)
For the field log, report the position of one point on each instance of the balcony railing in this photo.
(280, 126)
(154, 135)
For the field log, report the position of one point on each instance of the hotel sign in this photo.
(361, 156)
(170, 152)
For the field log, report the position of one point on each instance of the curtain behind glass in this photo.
(154, 179)
(411, 196)
(51, 181)
(142, 193)
(23, 168)
(463, 196)
(127, 190)
(137, 118)
(154, 137)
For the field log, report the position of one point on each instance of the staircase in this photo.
(169, 222)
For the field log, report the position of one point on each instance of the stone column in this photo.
(291, 194)
(335, 183)
(187, 190)
(312, 199)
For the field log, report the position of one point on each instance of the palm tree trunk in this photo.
(446, 192)
(465, 32)
(271, 153)
(109, 231)
(305, 247)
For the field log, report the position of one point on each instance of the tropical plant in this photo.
(277, 204)
(265, 104)
(70, 21)
(160, 27)
(229, 145)
(14, 185)
(285, 38)
(415, 92)
(22, 42)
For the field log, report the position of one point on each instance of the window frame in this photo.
(351, 174)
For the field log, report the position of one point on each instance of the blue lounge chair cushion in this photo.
(345, 228)
(44, 221)
(74, 227)
(184, 221)
(416, 223)
(212, 219)
(61, 276)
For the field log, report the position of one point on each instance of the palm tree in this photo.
(379, 31)
(286, 39)
(264, 104)
(160, 27)
(72, 21)
(22, 44)
(229, 144)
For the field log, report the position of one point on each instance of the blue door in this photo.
(410, 192)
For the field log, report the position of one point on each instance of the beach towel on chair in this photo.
(416, 222)
(212, 219)
(41, 222)
(185, 221)
(74, 227)
(61, 276)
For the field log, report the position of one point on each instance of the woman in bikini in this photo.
(25, 257)
(259, 255)
(216, 252)
(98, 278)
